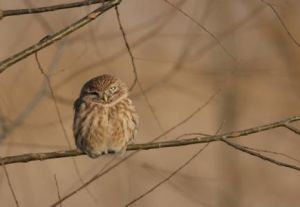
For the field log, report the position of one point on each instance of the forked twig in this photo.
(256, 154)
(50, 39)
(173, 173)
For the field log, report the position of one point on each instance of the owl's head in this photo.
(104, 89)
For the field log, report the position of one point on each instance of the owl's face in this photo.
(104, 89)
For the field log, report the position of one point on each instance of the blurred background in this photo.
(180, 66)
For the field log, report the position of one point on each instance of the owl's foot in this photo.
(122, 151)
(93, 155)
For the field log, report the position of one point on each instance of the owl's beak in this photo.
(104, 97)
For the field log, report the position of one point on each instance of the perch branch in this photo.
(50, 39)
(155, 145)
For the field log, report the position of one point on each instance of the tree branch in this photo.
(57, 189)
(285, 28)
(14, 12)
(50, 39)
(10, 185)
(256, 154)
(135, 80)
(168, 177)
(156, 145)
(173, 173)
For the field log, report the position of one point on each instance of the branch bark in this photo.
(155, 145)
(50, 39)
(14, 12)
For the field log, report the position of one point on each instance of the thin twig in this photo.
(167, 17)
(152, 145)
(174, 172)
(285, 28)
(57, 189)
(273, 152)
(59, 116)
(256, 154)
(95, 177)
(167, 178)
(199, 53)
(128, 49)
(9, 183)
(136, 80)
(191, 134)
(203, 28)
(14, 12)
(293, 129)
(50, 39)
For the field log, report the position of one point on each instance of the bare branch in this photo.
(128, 49)
(57, 189)
(50, 39)
(281, 22)
(174, 172)
(10, 184)
(293, 129)
(59, 116)
(136, 80)
(167, 178)
(273, 152)
(256, 154)
(14, 12)
(203, 28)
(95, 177)
(153, 145)
(169, 15)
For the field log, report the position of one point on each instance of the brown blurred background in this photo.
(180, 66)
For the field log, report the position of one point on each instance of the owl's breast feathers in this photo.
(99, 128)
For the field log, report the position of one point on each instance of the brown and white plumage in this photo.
(105, 118)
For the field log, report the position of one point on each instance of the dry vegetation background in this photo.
(180, 66)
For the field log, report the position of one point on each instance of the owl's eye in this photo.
(93, 93)
(113, 89)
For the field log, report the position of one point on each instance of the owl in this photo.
(105, 119)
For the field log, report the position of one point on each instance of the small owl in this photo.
(105, 118)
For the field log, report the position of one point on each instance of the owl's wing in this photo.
(78, 104)
(135, 120)
(79, 140)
